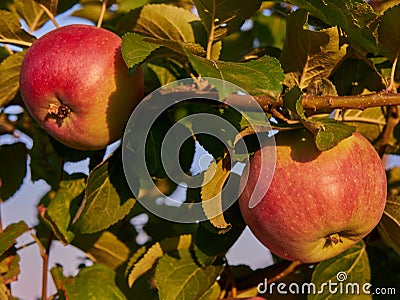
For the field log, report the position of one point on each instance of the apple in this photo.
(318, 203)
(76, 85)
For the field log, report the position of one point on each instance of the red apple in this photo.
(319, 203)
(75, 83)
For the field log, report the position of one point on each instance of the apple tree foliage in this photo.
(330, 66)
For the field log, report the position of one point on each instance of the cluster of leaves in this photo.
(288, 50)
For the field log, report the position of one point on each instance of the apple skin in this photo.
(318, 203)
(76, 85)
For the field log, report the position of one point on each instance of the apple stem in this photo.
(334, 239)
(103, 11)
(60, 112)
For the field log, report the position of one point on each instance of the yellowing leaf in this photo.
(9, 79)
(211, 194)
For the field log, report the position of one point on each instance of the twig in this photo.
(211, 34)
(16, 42)
(285, 272)
(393, 118)
(392, 73)
(103, 11)
(44, 253)
(49, 14)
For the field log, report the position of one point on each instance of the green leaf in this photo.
(212, 293)
(393, 181)
(108, 198)
(330, 132)
(387, 36)
(389, 226)
(355, 17)
(10, 234)
(224, 17)
(63, 205)
(308, 56)
(327, 132)
(104, 247)
(96, 282)
(270, 30)
(135, 50)
(350, 267)
(12, 178)
(9, 79)
(178, 276)
(211, 195)
(165, 22)
(292, 100)
(257, 77)
(145, 261)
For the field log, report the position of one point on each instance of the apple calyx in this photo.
(59, 112)
(333, 239)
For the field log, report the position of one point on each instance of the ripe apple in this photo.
(319, 203)
(75, 83)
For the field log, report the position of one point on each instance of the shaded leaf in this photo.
(51, 5)
(261, 76)
(178, 276)
(355, 17)
(62, 207)
(351, 266)
(12, 177)
(389, 226)
(309, 56)
(10, 234)
(108, 198)
(9, 79)
(146, 262)
(104, 248)
(369, 122)
(387, 36)
(10, 28)
(270, 30)
(356, 76)
(30, 12)
(224, 17)
(211, 195)
(95, 282)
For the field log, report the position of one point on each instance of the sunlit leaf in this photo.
(352, 266)
(178, 276)
(10, 234)
(9, 79)
(261, 76)
(63, 205)
(146, 259)
(95, 282)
